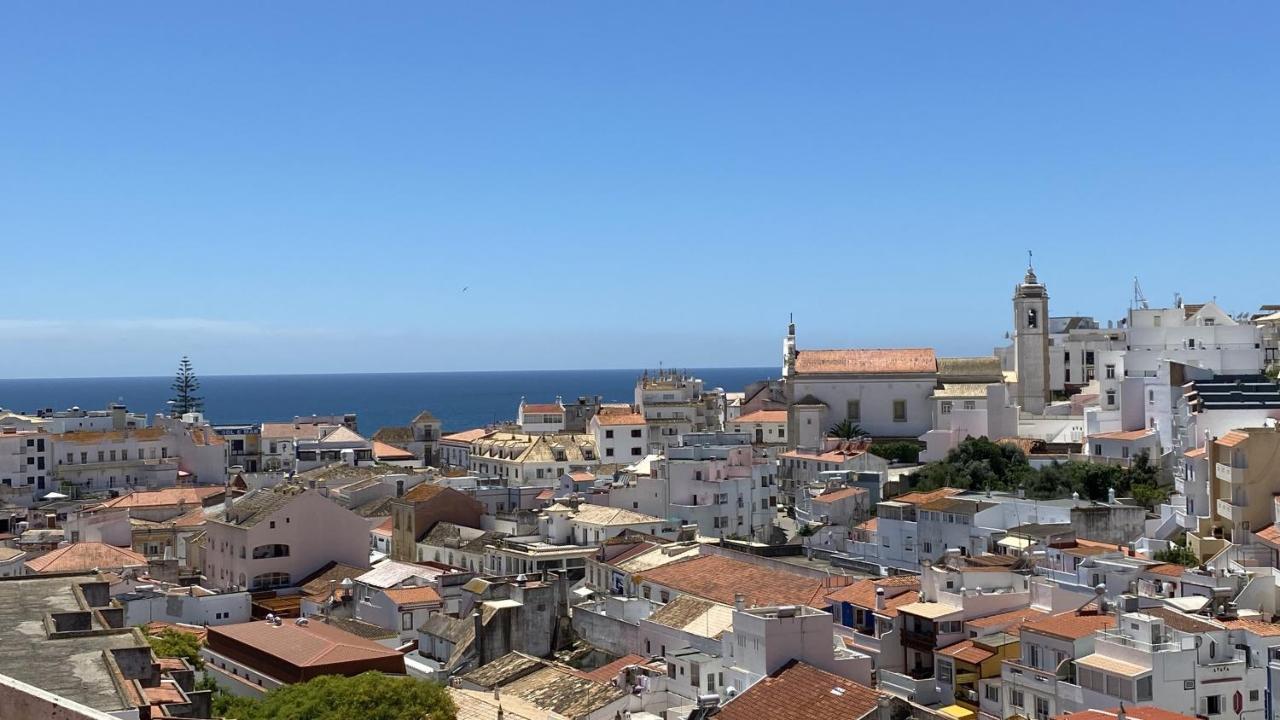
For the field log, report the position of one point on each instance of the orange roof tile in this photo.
(414, 596)
(762, 416)
(1269, 534)
(85, 556)
(302, 645)
(717, 578)
(1198, 452)
(966, 651)
(466, 436)
(799, 691)
(162, 498)
(871, 361)
(1233, 438)
(606, 673)
(95, 436)
(1070, 626)
(630, 418)
(837, 495)
(899, 590)
(869, 525)
(1009, 622)
(385, 527)
(1133, 712)
(1257, 627)
(383, 451)
(1126, 435)
(543, 408)
(1166, 569)
(920, 498)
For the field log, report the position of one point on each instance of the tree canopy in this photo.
(846, 429)
(174, 643)
(368, 696)
(980, 464)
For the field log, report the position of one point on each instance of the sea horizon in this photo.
(461, 399)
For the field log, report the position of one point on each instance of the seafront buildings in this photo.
(1079, 524)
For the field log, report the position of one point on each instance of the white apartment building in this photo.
(455, 448)
(674, 403)
(720, 483)
(766, 427)
(26, 465)
(764, 639)
(541, 417)
(965, 410)
(621, 437)
(101, 460)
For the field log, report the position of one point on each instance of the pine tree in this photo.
(184, 387)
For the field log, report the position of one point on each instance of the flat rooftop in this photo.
(73, 668)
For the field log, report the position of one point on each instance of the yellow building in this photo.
(969, 670)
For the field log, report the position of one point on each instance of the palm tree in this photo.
(846, 430)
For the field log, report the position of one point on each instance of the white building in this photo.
(26, 465)
(674, 403)
(719, 482)
(621, 437)
(192, 605)
(525, 459)
(541, 417)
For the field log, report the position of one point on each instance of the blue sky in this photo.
(277, 187)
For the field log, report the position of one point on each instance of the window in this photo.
(945, 407)
(1042, 707)
(853, 410)
(1097, 448)
(1111, 372)
(1033, 318)
(1124, 452)
(608, 434)
(1213, 705)
(944, 672)
(899, 410)
(1066, 375)
(992, 692)
(1253, 696)
(1144, 689)
(1015, 698)
(635, 433)
(1111, 397)
(608, 452)
(1151, 397)
(1088, 357)
(635, 451)
(406, 621)
(1033, 655)
(1066, 357)
(263, 552)
(970, 404)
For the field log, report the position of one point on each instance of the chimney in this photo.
(479, 638)
(879, 598)
(739, 602)
(399, 488)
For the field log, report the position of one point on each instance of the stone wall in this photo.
(613, 636)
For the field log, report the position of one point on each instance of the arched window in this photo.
(263, 552)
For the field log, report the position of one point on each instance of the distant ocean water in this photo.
(461, 400)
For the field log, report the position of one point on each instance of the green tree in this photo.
(1180, 554)
(185, 386)
(902, 451)
(174, 643)
(976, 464)
(846, 429)
(368, 696)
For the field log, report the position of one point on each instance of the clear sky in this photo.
(308, 187)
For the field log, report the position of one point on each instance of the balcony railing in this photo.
(915, 637)
(917, 690)
(1228, 473)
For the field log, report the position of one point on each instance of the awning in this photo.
(1016, 543)
(957, 712)
(1189, 604)
(1112, 665)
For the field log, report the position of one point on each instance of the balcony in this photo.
(1230, 511)
(917, 690)
(1227, 473)
(920, 640)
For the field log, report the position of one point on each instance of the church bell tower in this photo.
(1031, 342)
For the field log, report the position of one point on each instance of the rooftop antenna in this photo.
(1139, 300)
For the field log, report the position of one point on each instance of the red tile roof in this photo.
(762, 416)
(1269, 534)
(1009, 622)
(802, 692)
(719, 578)
(165, 497)
(1233, 438)
(1071, 626)
(899, 590)
(920, 498)
(873, 361)
(1198, 452)
(966, 651)
(303, 645)
(837, 495)
(868, 525)
(466, 436)
(383, 451)
(543, 408)
(414, 596)
(84, 556)
(385, 528)
(630, 418)
(1167, 569)
(606, 673)
(1257, 627)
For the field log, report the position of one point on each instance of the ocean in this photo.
(461, 400)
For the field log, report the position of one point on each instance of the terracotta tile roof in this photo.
(293, 431)
(580, 476)
(871, 361)
(1198, 452)
(1071, 626)
(802, 692)
(547, 494)
(1257, 627)
(718, 578)
(414, 596)
(385, 528)
(93, 436)
(84, 556)
(1233, 438)
(303, 645)
(1269, 534)
(1009, 622)
(162, 498)
(966, 651)
(899, 590)
(762, 416)
(1134, 712)
(466, 436)
(1166, 569)
(920, 498)
(1127, 435)
(383, 451)
(422, 492)
(606, 673)
(831, 496)
(1179, 620)
(869, 525)
(156, 628)
(630, 418)
(543, 408)
(838, 454)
